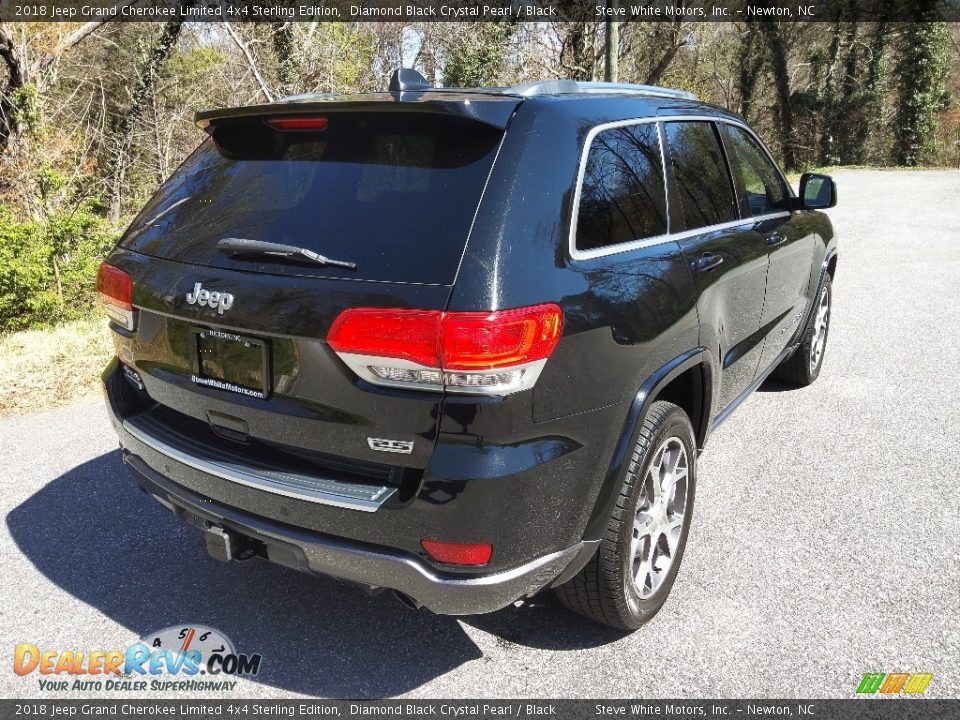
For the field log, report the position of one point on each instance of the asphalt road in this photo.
(824, 544)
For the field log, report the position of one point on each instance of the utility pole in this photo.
(611, 70)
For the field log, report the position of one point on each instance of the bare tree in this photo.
(251, 61)
(23, 70)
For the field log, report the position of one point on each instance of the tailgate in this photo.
(302, 398)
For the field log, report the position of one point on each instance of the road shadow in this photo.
(95, 535)
(543, 623)
(772, 385)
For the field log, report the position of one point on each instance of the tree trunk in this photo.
(776, 43)
(828, 138)
(750, 59)
(150, 67)
(921, 67)
(673, 45)
(19, 75)
(15, 81)
(611, 60)
(283, 45)
(581, 65)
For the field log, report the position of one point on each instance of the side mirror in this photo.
(817, 192)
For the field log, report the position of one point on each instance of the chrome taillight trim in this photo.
(527, 375)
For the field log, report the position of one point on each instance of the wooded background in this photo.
(95, 116)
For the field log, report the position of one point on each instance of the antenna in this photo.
(408, 80)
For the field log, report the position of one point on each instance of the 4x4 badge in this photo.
(384, 445)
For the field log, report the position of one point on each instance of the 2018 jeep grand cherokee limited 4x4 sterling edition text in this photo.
(462, 344)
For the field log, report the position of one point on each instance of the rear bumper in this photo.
(371, 566)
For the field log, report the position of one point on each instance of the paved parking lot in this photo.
(824, 544)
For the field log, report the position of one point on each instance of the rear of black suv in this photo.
(462, 345)
(292, 377)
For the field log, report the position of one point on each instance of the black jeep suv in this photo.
(462, 344)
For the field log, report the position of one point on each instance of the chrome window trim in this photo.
(577, 254)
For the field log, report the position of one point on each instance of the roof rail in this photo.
(579, 87)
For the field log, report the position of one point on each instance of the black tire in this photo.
(605, 590)
(800, 369)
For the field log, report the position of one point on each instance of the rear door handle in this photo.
(707, 261)
(776, 239)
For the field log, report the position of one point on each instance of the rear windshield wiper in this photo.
(260, 248)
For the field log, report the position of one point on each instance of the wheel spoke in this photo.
(672, 534)
(658, 523)
(671, 480)
(642, 567)
(659, 566)
(655, 489)
(680, 461)
(821, 323)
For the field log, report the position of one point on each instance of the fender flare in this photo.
(808, 315)
(609, 489)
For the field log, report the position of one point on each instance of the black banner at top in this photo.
(478, 10)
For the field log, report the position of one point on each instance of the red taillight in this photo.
(298, 123)
(116, 292)
(450, 340)
(458, 553)
(486, 341)
(412, 335)
(115, 287)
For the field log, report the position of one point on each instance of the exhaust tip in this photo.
(406, 600)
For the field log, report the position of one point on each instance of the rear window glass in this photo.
(394, 193)
(622, 197)
(703, 182)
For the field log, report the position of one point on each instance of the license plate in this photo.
(232, 362)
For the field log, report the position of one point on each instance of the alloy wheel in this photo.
(661, 513)
(820, 325)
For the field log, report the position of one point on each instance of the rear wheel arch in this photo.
(630, 575)
(832, 267)
(689, 390)
(686, 381)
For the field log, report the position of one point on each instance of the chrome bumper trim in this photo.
(323, 491)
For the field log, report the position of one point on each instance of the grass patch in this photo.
(55, 366)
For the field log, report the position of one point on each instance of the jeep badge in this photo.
(222, 301)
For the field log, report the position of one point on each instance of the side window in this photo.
(703, 183)
(622, 197)
(766, 192)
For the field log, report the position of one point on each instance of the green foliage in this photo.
(350, 50)
(477, 59)
(27, 114)
(48, 267)
(922, 68)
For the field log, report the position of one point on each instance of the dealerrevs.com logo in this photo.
(183, 657)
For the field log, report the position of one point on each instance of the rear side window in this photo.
(622, 197)
(393, 192)
(703, 182)
(765, 190)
